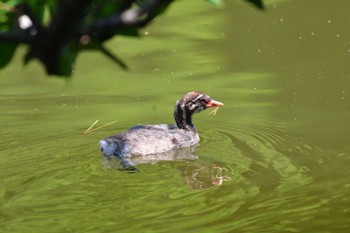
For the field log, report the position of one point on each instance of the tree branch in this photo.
(15, 36)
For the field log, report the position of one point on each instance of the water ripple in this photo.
(270, 150)
(65, 176)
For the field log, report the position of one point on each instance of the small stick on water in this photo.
(214, 111)
(89, 131)
(86, 131)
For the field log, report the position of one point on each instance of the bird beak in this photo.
(214, 103)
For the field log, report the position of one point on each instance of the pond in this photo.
(275, 157)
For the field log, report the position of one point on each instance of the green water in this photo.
(281, 140)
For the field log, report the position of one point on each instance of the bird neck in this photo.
(183, 117)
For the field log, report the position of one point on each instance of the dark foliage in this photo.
(56, 31)
(258, 3)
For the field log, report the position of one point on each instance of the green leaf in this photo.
(129, 31)
(163, 7)
(113, 57)
(8, 20)
(39, 11)
(67, 58)
(217, 3)
(102, 8)
(7, 52)
(258, 3)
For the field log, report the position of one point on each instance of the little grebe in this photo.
(143, 140)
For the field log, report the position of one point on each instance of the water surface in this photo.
(280, 142)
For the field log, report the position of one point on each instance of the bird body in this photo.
(148, 139)
(142, 140)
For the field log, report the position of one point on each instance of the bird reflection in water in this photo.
(197, 174)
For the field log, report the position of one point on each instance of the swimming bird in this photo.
(148, 140)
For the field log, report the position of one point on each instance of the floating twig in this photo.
(89, 130)
(86, 131)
